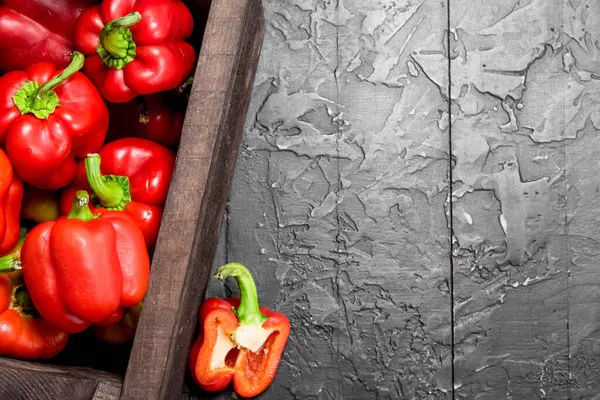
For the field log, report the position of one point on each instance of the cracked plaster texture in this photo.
(362, 199)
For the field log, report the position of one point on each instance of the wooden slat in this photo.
(194, 209)
(21, 380)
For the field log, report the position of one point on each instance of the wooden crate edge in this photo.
(158, 359)
(26, 379)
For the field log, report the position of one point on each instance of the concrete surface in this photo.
(341, 202)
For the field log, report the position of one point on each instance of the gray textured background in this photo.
(341, 201)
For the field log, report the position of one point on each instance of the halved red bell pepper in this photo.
(84, 269)
(48, 119)
(136, 47)
(23, 333)
(34, 31)
(239, 341)
(134, 176)
(11, 196)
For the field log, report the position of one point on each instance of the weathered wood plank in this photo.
(338, 199)
(194, 209)
(21, 380)
(525, 255)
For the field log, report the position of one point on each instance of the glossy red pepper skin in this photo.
(146, 216)
(149, 117)
(159, 59)
(22, 335)
(35, 31)
(11, 206)
(43, 150)
(11, 197)
(83, 269)
(148, 166)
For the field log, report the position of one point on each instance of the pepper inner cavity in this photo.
(256, 364)
(231, 357)
(251, 337)
(221, 353)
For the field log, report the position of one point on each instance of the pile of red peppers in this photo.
(92, 101)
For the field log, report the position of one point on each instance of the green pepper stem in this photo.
(248, 313)
(22, 301)
(12, 261)
(76, 65)
(109, 192)
(80, 208)
(143, 115)
(9, 263)
(23, 232)
(114, 37)
(42, 101)
(185, 85)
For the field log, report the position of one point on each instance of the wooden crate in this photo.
(181, 266)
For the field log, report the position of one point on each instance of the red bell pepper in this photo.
(134, 176)
(124, 330)
(23, 334)
(11, 196)
(34, 31)
(11, 207)
(83, 269)
(239, 341)
(157, 117)
(47, 120)
(136, 47)
(39, 205)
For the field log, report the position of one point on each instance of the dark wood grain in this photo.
(194, 209)
(21, 380)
